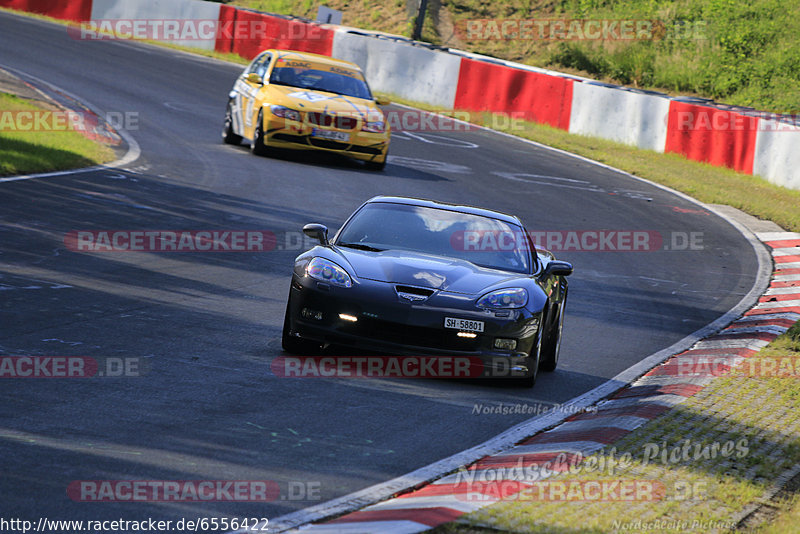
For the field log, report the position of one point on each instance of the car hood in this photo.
(423, 270)
(310, 100)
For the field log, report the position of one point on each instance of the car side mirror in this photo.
(254, 78)
(557, 268)
(317, 231)
(382, 101)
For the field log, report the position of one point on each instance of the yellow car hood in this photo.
(310, 100)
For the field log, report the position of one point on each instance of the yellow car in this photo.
(298, 100)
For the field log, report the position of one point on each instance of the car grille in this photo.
(290, 138)
(403, 334)
(340, 122)
(365, 149)
(305, 140)
(326, 143)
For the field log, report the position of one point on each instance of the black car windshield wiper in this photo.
(360, 246)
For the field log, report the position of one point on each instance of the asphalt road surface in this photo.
(204, 327)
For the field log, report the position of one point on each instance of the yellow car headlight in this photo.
(373, 126)
(285, 113)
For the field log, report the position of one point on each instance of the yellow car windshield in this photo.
(346, 82)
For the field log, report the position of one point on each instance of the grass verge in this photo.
(28, 151)
(724, 446)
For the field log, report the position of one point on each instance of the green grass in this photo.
(787, 519)
(377, 15)
(743, 53)
(24, 152)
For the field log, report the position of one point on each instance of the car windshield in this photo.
(483, 241)
(331, 79)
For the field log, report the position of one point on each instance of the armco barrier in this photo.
(75, 10)
(267, 31)
(716, 136)
(497, 88)
(777, 156)
(175, 10)
(626, 117)
(408, 71)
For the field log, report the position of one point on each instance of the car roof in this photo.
(447, 206)
(309, 56)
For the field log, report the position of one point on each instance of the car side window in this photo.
(255, 63)
(259, 65)
(261, 70)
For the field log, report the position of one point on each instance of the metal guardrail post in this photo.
(423, 7)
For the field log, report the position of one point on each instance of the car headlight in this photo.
(285, 113)
(373, 126)
(513, 297)
(327, 271)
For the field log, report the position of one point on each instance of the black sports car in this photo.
(408, 276)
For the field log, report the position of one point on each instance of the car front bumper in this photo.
(360, 145)
(387, 324)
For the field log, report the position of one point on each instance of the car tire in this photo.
(228, 135)
(375, 165)
(552, 343)
(296, 345)
(257, 145)
(536, 354)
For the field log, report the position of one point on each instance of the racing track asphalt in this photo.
(208, 324)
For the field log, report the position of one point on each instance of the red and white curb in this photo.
(663, 387)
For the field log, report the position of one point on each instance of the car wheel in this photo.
(257, 146)
(296, 345)
(377, 165)
(228, 135)
(535, 355)
(552, 345)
